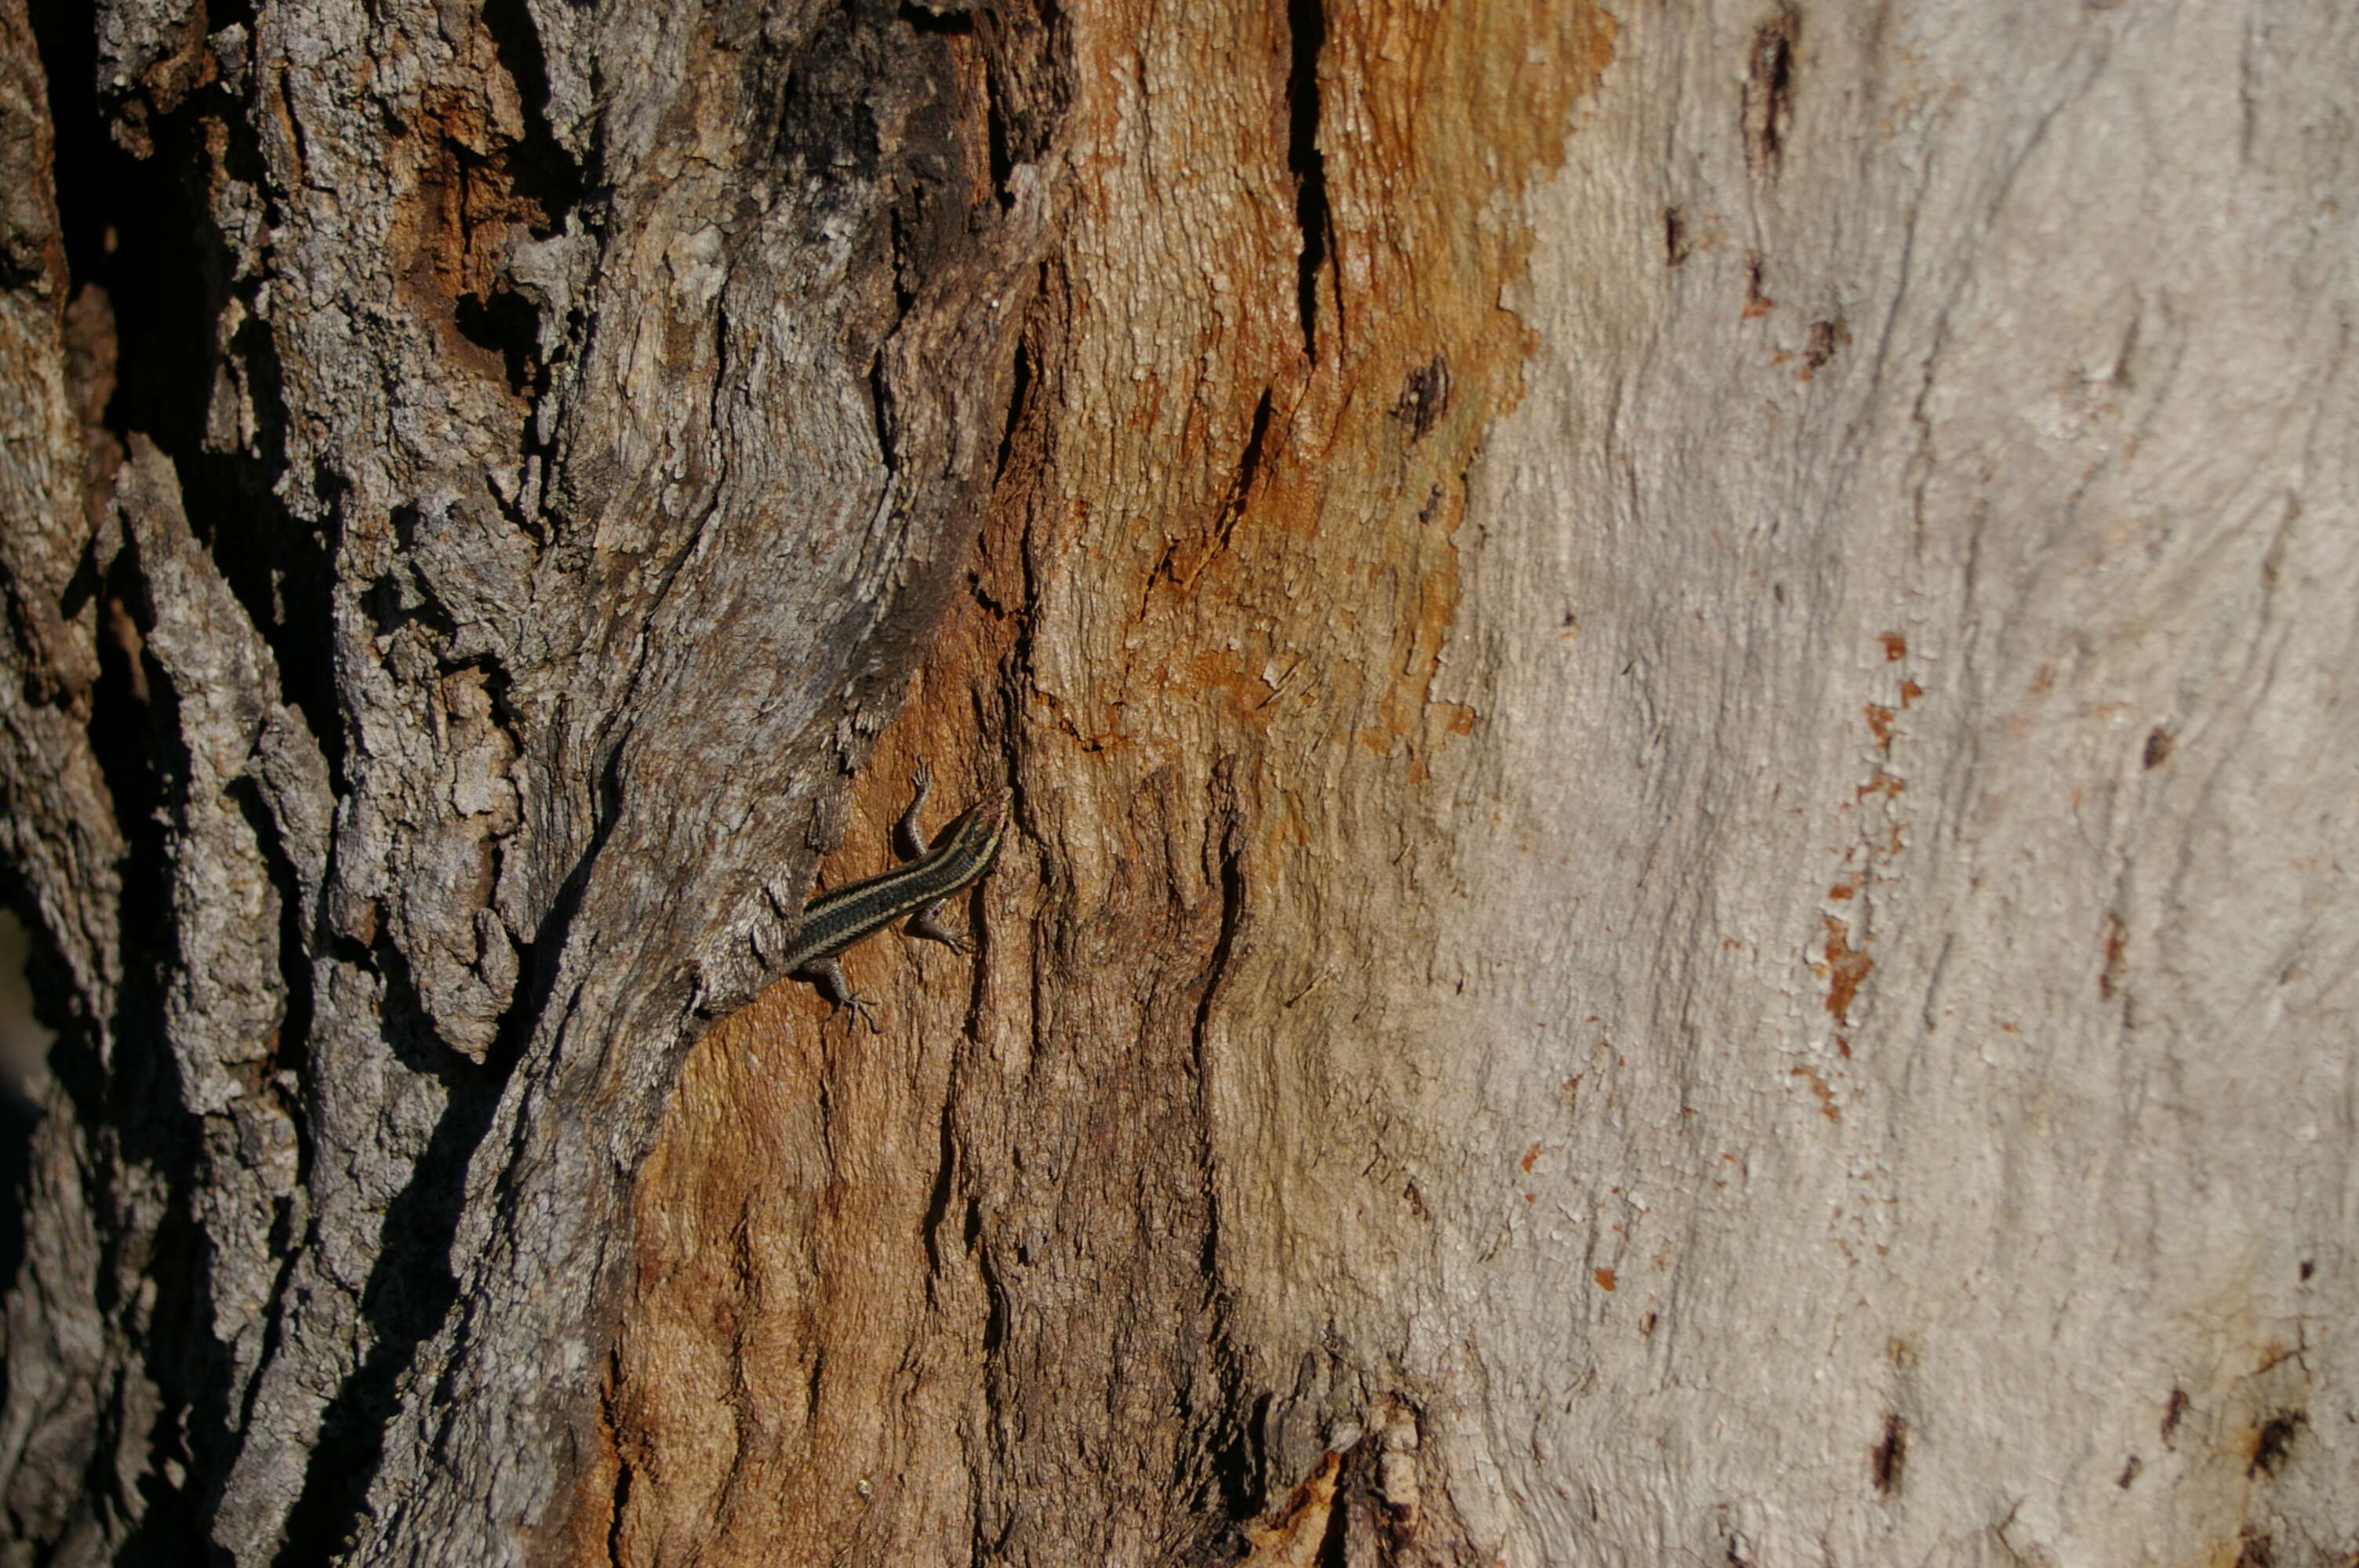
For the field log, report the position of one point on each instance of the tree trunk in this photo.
(1670, 678)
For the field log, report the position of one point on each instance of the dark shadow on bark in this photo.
(1307, 22)
(539, 164)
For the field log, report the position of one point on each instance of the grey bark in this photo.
(561, 444)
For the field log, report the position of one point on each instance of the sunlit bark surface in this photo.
(1672, 679)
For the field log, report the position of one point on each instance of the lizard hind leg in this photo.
(927, 922)
(829, 973)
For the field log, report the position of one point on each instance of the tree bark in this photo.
(1671, 683)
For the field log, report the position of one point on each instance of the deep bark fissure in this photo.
(408, 1294)
(1018, 398)
(1248, 470)
(1307, 20)
(1233, 1456)
(938, 1201)
(1769, 90)
(79, 152)
(509, 326)
(880, 411)
(131, 225)
(543, 168)
(1002, 156)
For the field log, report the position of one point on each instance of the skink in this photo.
(958, 858)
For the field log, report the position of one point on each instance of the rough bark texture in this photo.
(1673, 682)
(565, 426)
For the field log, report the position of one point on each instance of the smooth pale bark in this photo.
(1906, 912)
(1672, 679)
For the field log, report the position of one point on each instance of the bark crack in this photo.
(540, 167)
(1307, 22)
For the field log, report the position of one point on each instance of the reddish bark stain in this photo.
(1895, 646)
(1845, 969)
(1879, 723)
(1826, 1095)
(1605, 1278)
(1883, 784)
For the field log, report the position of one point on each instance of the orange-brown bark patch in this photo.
(1207, 638)
(1880, 724)
(1845, 969)
(2109, 978)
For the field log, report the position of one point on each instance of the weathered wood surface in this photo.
(1673, 684)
